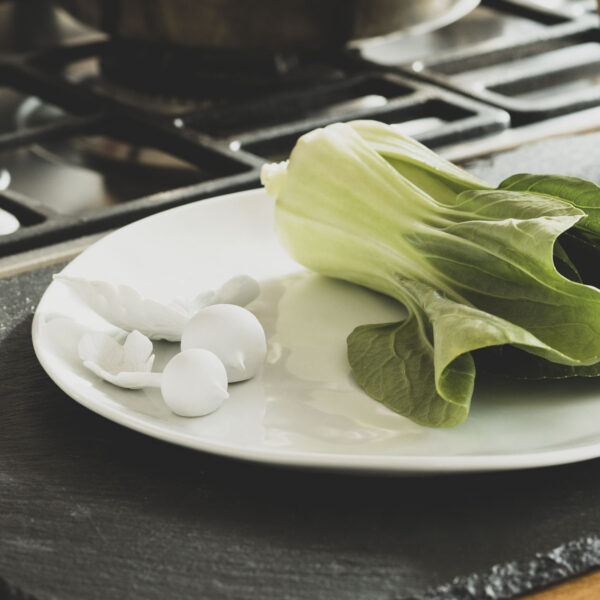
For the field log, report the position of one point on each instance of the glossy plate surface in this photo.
(304, 409)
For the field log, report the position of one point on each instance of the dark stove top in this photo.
(95, 133)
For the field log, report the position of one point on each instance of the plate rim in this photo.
(367, 463)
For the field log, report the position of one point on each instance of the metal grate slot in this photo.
(356, 95)
(574, 8)
(533, 80)
(550, 12)
(491, 22)
(27, 217)
(431, 120)
(543, 64)
(562, 86)
(91, 173)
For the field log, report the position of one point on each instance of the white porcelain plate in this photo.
(304, 409)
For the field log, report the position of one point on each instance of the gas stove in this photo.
(96, 132)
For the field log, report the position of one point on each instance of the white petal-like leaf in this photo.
(124, 307)
(128, 365)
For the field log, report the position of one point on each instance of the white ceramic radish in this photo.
(193, 383)
(233, 333)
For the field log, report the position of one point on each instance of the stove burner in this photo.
(127, 129)
(173, 81)
(88, 72)
(98, 151)
(110, 169)
(87, 173)
(20, 111)
(34, 112)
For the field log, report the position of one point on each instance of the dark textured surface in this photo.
(11, 592)
(89, 509)
(517, 578)
(575, 155)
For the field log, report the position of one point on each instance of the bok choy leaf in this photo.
(474, 266)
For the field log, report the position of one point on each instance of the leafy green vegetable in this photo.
(577, 256)
(582, 243)
(432, 383)
(474, 266)
(578, 192)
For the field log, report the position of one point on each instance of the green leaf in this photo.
(582, 243)
(394, 364)
(422, 367)
(583, 194)
(505, 267)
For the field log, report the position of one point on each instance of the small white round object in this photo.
(240, 290)
(194, 383)
(233, 333)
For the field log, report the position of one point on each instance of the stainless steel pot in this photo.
(264, 24)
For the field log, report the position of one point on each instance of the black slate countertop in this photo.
(89, 509)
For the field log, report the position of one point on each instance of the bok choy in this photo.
(474, 266)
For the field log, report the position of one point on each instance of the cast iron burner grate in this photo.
(534, 76)
(534, 79)
(207, 73)
(170, 81)
(85, 150)
(76, 137)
